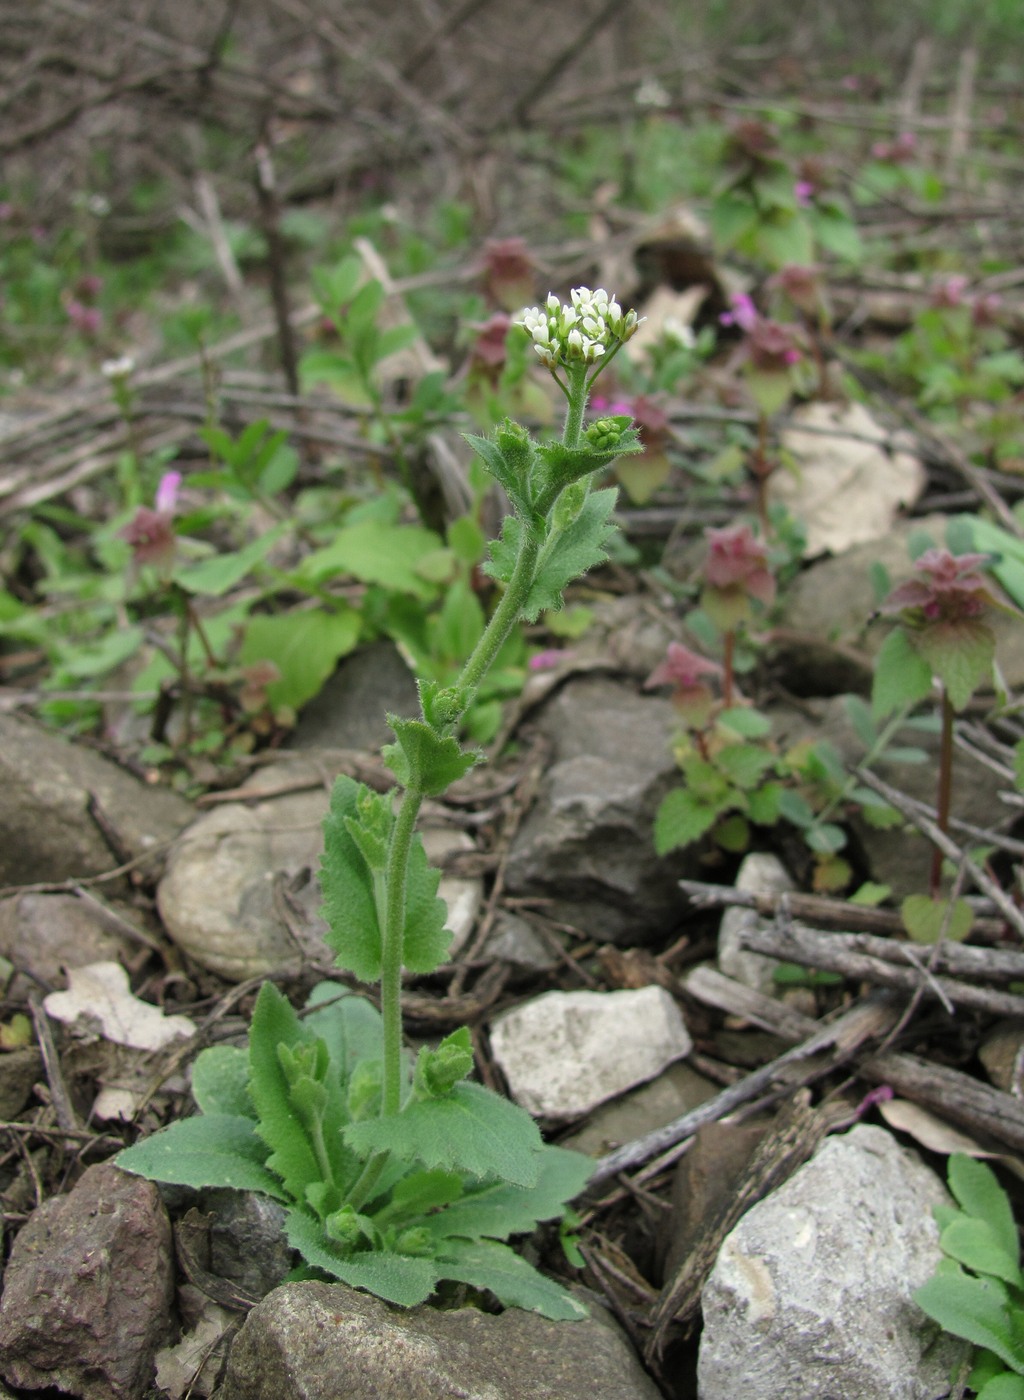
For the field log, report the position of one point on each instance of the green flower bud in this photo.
(605, 434)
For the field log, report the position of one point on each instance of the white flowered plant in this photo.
(396, 1176)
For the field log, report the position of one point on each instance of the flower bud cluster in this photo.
(578, 333)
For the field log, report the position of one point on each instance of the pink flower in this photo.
(737, 561)
(744, 314)
(950, 293)
(770, 345)
(611, 408)
(896, 152)
(986, 309)
(801, 285)
(167, 493)
(804, 193)
(548, 660)
(681, 668)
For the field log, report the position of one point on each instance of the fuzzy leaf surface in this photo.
(275, 1023)
(513, 1281)
(350, 1025)
(351, 890)
(499, 1210)
(976, 1186)
(960, 654)
(977, 1310)
(973, 1242)
(209, 1150)
(424, 759)
(397, 1278)
(565, 556)
(471, 1130)
(220, 1081)
(902, 676)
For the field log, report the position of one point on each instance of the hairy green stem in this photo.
(506, 614)
(577, 396)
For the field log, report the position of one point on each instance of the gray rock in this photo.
(45, 934)
(675, 1092)
(810, 1296)
(760, 873)
(240, 894)
(348, 711)
(512, 939)
(51, 788)
(88, 1288)
(565, 1052)
(587, 845)
(247, 1242)
(319, 1341)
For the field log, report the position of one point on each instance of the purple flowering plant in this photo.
(943, 638)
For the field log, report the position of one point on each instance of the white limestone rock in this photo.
(760, 873)
(811, 1294)
(565, 1052)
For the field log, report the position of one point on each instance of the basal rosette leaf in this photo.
(470, 1130)
(220, 1081)
(214, 1149)
(281, 1126)
(976, 1187)
(978, 1310)
(350, 1025)
(513, 1281)
(403, 1279)
(498, 1209)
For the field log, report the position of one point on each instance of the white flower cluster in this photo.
(581, 332)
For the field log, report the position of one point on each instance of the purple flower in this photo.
(770, 345)
(548, 660)
(804, 193)
(743, 315)
(167, 492)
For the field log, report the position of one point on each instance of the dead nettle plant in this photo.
(943, 638)
(396, 1175)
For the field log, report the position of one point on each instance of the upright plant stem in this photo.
(945, 792)
(481, 659)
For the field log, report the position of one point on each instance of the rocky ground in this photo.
(722, 1187)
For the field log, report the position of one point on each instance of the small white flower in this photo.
(120, 368)
(589, 326)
